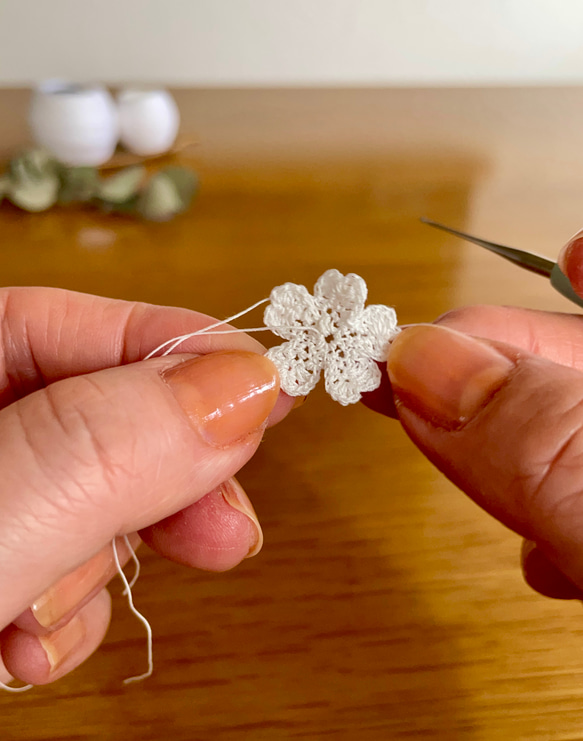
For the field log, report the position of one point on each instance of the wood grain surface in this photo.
(385, 605)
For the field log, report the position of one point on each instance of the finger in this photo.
(5, 676)
(41, 660)
(505, 426)
(113, 452)
(62, 600)
(215, 533)
(571, 261)
(558, 337)
(47, 334)
(283, 406)
(543, 576)
(381, 399)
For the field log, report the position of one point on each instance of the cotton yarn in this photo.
(331, 331)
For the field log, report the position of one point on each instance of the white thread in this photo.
(136, 561)
(349, 338)
(125, 592)
(16, 689)
(141, 618)
(175, 341)
(180, 340)
(331, 331)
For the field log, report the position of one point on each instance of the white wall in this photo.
(293, 42)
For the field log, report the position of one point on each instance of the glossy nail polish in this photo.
(226, 395)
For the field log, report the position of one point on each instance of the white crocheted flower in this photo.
(330, 331)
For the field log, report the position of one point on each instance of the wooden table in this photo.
(385, 605)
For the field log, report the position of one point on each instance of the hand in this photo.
(502, 417)
(94, 444)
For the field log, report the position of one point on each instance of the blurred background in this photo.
(308, 42)
(384, 605)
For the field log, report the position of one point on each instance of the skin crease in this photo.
(553, 336)
(51, 341)
(540, 345)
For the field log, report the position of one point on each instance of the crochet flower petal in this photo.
(375, 327)
(299, 363)
(332, 331)
(345, 294)
(291, 307)
(348, 375)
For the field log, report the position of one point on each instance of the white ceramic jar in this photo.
(148, 121)
(78, 124)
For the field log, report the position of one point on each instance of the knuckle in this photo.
(552, 488)
(72, 449)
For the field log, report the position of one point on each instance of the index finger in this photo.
(47, 334)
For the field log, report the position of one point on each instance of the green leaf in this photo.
(32, 165)
(125, 207)
(35, 195)
(33, 181)
(160, 200)
(122, 186)
(185, 181)
(78, 184)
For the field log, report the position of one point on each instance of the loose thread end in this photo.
(174, 342)
(133, 609)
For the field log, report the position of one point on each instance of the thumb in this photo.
(114, 451)
(505, 426)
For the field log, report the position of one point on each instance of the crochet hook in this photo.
(527, 260)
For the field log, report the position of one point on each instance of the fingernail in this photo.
(227, 395)
(234, 495)
(444, 376)
(299, 402)
(64, 642)
(74, 589)
(574, 244)
(571, 260)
